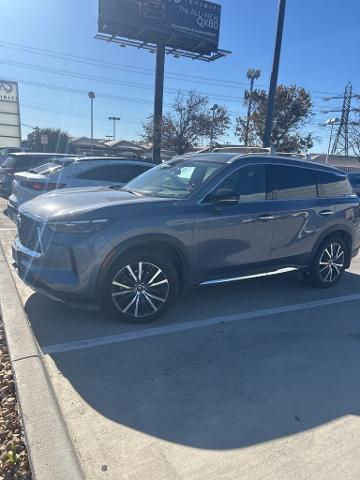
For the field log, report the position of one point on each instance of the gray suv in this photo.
(196, 220)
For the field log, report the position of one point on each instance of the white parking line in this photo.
(182, 327)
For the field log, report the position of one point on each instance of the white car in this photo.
(70, 173)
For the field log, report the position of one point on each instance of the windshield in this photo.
(178, 179)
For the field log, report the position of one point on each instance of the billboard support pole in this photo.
(158, 104)
(274, 75)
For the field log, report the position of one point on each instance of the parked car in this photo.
(199, 220)
(73, 172)
(19, 162)
(355, 182)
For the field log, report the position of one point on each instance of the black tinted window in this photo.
(354, 180)
(331, 185)
(293, 183)
(114, 173)
(25, 162)
(249, 183)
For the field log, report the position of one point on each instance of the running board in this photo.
(247, 277)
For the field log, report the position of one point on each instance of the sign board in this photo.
(10, 127)
(44, 140)
(192, 25)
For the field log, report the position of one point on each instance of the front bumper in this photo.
(56, 275)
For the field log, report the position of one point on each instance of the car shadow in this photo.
(223, 387)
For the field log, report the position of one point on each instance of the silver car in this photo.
(70, 173)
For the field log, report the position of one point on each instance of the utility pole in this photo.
(252, 75)
(214, 109)
(91, 95)
(114, 119)
(274, 75)
(158, 103)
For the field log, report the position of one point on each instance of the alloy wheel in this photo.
(332, 262)
(139, 289)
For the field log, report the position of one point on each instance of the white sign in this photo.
(44, 140)
(10, 127)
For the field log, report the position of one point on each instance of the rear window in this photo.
(121, 173)
(354, 180)
(24, 162)
(293, 183)
(331, 185)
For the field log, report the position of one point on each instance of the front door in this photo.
(235, 239)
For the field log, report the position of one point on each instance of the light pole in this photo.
(214, 109)
(332, 122)
(252, 75)
(114, 119)
(274, 75)
(91, 95)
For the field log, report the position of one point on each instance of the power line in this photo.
(113, 81)
(133, 69)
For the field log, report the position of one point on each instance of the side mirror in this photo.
(223, 197)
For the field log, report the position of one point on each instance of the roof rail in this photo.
(244, 150)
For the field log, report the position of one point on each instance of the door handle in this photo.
(326, 213)
(266, 218)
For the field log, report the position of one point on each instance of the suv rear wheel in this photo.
(329, 263)
(140, 287)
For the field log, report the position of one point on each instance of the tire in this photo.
(329, 263)
(140, 287)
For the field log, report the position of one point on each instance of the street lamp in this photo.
(114, 119)
(252, 74)
(213, 109)
(91, 95)
(332, 122)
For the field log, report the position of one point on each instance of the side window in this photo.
(248, 182)
(293, 183)
(331, 185)
(113, 173)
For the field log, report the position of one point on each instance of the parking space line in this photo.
(182, 327)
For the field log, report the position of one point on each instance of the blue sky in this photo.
(320, 52)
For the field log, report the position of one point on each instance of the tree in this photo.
(189, 119)
(58, 141)
(292, 112)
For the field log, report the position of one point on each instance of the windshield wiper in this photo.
(32, 171)
(129, 191)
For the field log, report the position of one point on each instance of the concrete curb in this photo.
(51, 452)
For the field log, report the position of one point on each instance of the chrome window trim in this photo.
(247, 277)
(31, 253)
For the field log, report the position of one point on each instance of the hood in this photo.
(78, 202)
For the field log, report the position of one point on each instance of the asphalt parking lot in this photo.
(255, 380)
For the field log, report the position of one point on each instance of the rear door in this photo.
(300, 214)
(235, 239)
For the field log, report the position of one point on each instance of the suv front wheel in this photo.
(140, 287)
(329, 263)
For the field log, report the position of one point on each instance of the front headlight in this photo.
(78, 226)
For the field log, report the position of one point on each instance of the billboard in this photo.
(191, 25)
(10, 129)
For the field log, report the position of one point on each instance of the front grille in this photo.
(28, 231)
